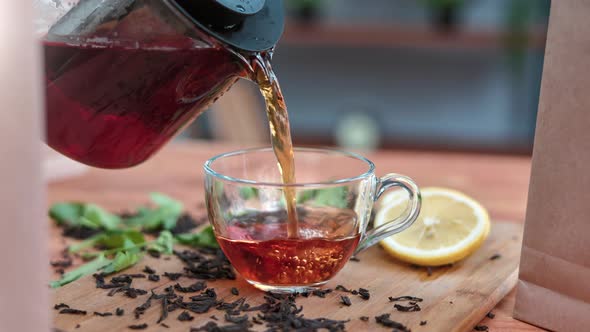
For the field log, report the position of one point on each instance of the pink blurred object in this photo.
(24, 304)
(58, 167)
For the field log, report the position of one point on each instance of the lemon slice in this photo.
(451, 226)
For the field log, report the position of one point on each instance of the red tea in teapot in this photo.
(122, 78)
(113, 106)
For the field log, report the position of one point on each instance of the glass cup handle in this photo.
(400, 223)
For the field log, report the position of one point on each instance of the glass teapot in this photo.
(122, 77)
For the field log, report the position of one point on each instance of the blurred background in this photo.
(407, 74)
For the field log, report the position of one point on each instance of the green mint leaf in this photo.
(84, 270)
(66, 213)
(144, 218)
(306, 195)
(218, 189)
(88, 223)
(248, 192)
(117, 239)
(121, 239)
(166, 202)
(164, 216)
(100, 217)
(161, 217)
(81, 214)
(122, 260)
(164, 243)
(170, 222)
(334, 197)
(205, 238)
(88, 243)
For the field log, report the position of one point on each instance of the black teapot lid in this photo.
(250, 25)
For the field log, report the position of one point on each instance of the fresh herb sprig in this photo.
(120, 242)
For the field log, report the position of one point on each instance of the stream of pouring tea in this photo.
(280, 132)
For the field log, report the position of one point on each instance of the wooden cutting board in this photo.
(455, 298)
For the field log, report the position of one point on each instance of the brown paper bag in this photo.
(554, 287)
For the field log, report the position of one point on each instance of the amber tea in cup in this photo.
(335, 192)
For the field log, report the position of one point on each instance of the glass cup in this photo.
(335, 193)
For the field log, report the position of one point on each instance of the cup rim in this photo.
(370, 168)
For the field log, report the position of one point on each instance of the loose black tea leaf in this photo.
(213, 317)
(172, 276)
(321, 292)
(100, 282)
(103, 314)
(423, 322)
(78, 232)
(236, 319)
(164, 312)
(138, 327)
(60, 306)
(213, 327)
(196, 287)
(235, 291)
(140, 310)
(364, 318)
(232, 305)
(119, 312)
(481, 328)
(281, 313)
(387, 322)
(149, 270)
(122, 279)
(154, 253)
(65, 263)
(185, 317)
(199, 303)
(206, 264)
(491, 315)
(412, 301)
(495, 256)
(364, 293)
(405, 298)
(154, 277)
(187, 223)
(164, 325)
(71, 311)
(78, 326)
(410, 308)
(128, 291)
(345, 300)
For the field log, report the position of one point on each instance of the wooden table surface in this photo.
(500, 183)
